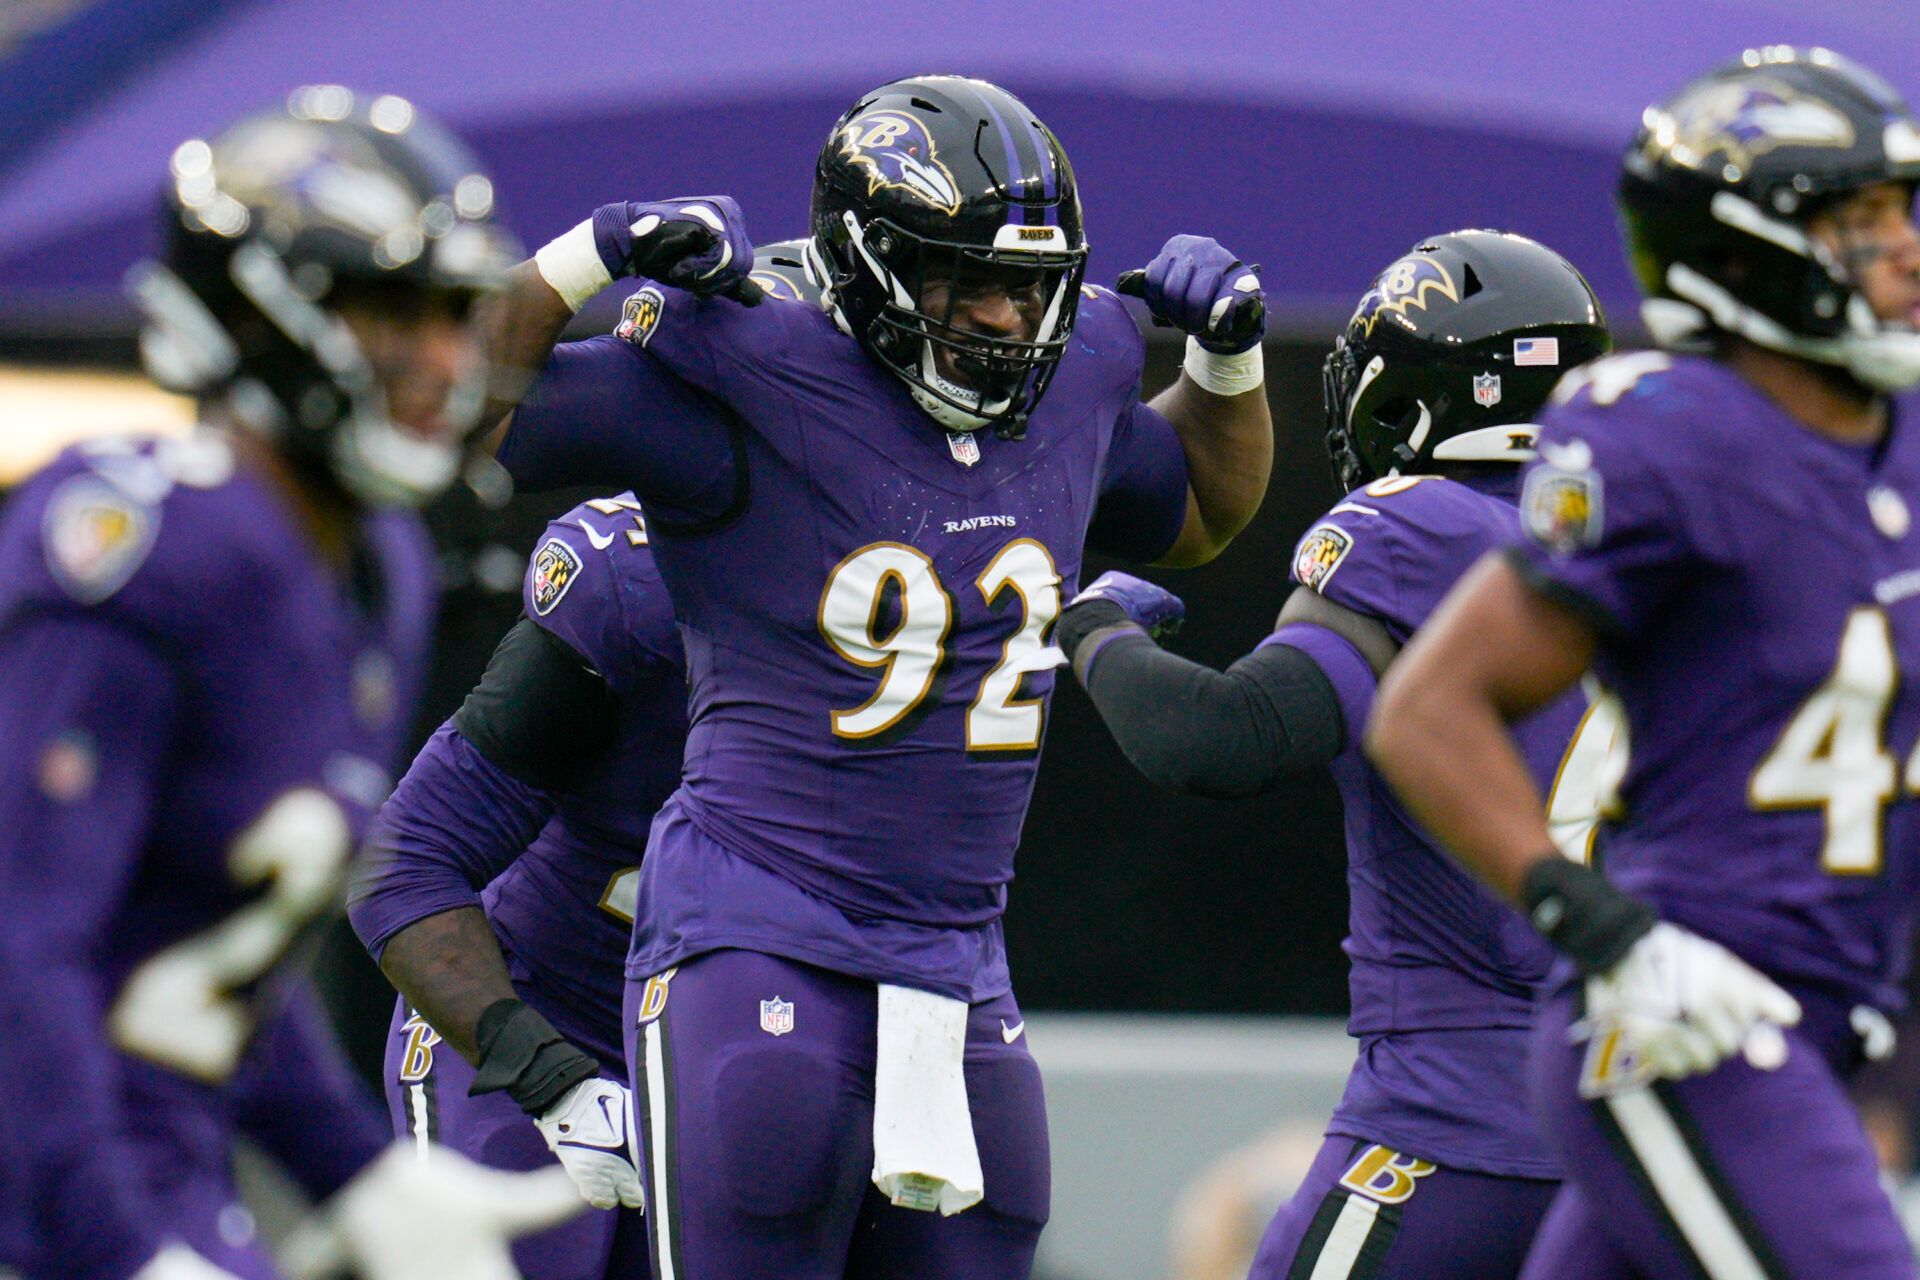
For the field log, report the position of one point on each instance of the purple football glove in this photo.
(1154, 608)
(700, 245)
(1197, 287)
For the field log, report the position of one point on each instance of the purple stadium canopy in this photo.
(1318, 139)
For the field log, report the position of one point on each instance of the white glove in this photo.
(588, 1130)
(1683, 1005)
(404, 1217)
(176, 1261)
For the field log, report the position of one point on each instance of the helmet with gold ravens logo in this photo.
(1717, 191)
(1452, 352)
(941, 178)
(276, 222)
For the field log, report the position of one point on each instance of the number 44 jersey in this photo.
(868, 641)
(1756, 588)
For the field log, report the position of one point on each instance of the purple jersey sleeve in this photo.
(592, 585)
(1605, 532)
(85, 712)
(454, 823)
(1352, 679)
(1143, 491)
(1392, 549)
(604, 412)
(298, 1098)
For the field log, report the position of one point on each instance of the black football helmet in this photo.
(1716, 193)
(1452, 352)
(285, 212)
(780, 269)
(940, 177)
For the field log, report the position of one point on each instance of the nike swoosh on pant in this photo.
(1012, 1033)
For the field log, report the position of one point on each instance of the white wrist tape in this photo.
(1224, 375)
(571, 264)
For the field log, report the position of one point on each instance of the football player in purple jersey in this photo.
(1430, 1167)
(208, 646)
(1722, 531)
(828, 1062)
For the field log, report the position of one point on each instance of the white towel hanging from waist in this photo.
(923, 1151)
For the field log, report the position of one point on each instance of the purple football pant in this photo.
(1368, 1212)
(1738, 1174)
(426, 1084)
(759, 1142)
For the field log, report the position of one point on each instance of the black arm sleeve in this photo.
(540, 713)
(1236, 732)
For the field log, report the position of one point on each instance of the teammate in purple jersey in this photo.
(564, 752)
(531, 805)
(1723, 531)
(207, 648)
(865, 593)
(1430, 1167)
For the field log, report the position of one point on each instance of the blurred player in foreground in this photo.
(539, 792)
(1724, 531)
(828, 1057)
(1430, 1167)
(208, 649)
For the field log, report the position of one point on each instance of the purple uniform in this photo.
(1431, 1166)
(866, 645)
(198, 715)
(1756, 589)
(554, 867)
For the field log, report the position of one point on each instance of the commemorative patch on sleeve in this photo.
(1561, 505)
(555, 566)
(96, 537)
(1319, 554)
(641, 316)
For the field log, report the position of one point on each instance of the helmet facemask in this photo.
(996, 381)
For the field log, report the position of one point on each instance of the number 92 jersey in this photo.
(1756, 590)
(867, 644)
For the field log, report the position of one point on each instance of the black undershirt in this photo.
(1238, 732)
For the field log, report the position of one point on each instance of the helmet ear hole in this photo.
(1398, 414)
(1469, 282)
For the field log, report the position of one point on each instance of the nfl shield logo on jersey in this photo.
(964, 448)
(1486, 389)
(776, 1016)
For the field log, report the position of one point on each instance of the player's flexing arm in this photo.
(699, 245)
(1288, 707)
(1218, 405)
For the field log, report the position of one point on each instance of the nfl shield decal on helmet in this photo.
(1319, 554)
(776, 1016)
(1561, 504)
(897, 151)
(1486, 389)
(641, 316)
(555, 567)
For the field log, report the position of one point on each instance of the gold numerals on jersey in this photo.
(1832, 756)
(892, 580)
